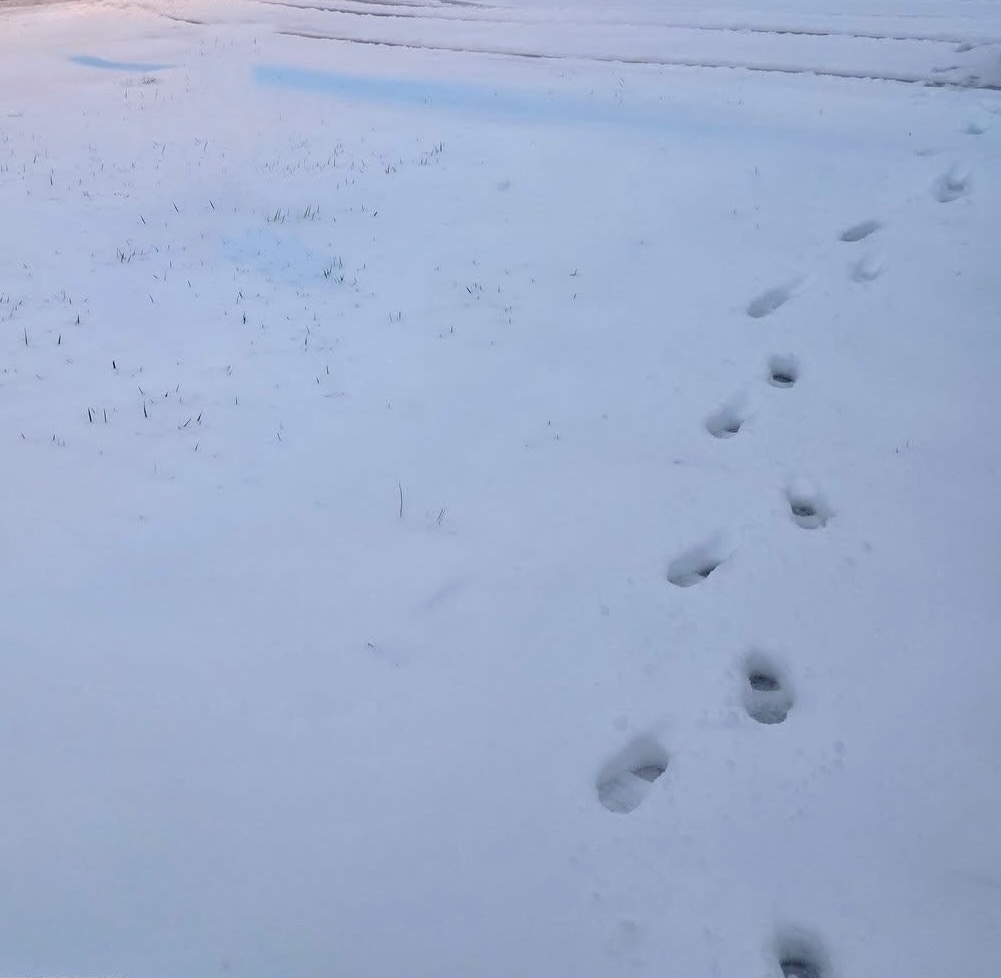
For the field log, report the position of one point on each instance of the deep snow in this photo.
(485, 514)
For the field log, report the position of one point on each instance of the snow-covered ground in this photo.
(509, 497)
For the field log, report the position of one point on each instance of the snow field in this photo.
(474, 514)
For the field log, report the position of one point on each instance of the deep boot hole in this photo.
(783, 371)
(767, 696)
(762, 682)
(688, 576)
(650, 772)
(695, 566)
(625, 782)
(799, 967)
(808, 512)
(799, 955)
(724, 423)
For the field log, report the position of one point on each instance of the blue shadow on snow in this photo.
(523, 106)
(90, 61)
(548, 107)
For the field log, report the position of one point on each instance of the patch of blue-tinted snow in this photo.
(92, 61)
(278, 258)
(533, 106)
(524, 106)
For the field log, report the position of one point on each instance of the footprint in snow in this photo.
(725, 422)
(953, 184)
(695, 565)
(766, 693)
(625, 781)
(868, 269)
(799, 967)
(861, 230)
(768, 302)
(783, 371)
(800, 955)
(807, 507)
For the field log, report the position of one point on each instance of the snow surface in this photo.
(508, 497)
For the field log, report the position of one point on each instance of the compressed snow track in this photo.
(473, 514)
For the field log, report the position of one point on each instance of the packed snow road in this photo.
(498, 489)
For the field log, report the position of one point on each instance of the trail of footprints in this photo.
(954, 183)
(766, 690)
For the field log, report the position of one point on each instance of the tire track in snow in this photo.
(908, 78)
(430, 12)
